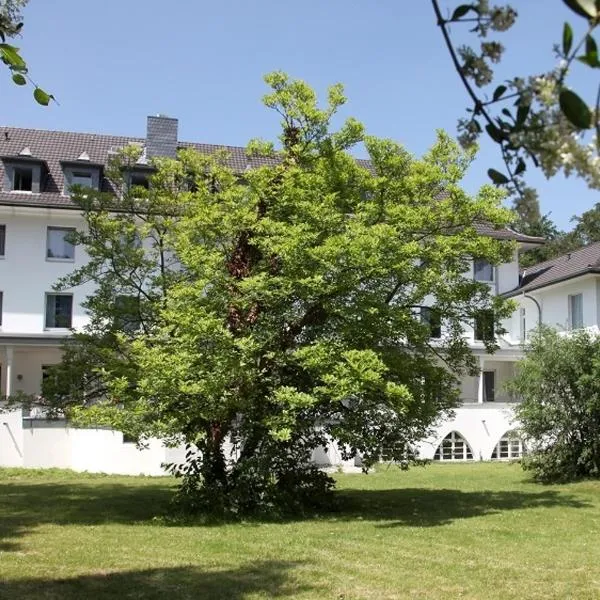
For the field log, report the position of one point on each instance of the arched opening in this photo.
(510, 445)
(453, 447)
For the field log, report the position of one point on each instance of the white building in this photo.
(36, 213)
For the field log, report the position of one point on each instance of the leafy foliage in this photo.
(559, 383)
(11, 26)
(535, 119)
(278, 308)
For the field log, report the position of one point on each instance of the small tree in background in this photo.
(280, 307)
(559, 383)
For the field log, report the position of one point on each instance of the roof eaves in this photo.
(532, 286)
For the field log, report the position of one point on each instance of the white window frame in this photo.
(66, 230)
(454, 447)
(487, 263)
(49, 295)
(509, 447)
(572, 324)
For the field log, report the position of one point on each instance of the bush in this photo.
(559, 383)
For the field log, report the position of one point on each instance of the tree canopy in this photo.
(257, 314)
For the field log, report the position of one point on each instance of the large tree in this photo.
(276, 308)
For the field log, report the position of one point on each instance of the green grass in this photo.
(444, 531)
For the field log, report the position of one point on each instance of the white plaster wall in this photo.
(46, 446)
(507, 275)
(481, 425)
(11, 439)
(103, 451)
(26, 275)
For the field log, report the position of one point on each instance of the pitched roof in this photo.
(56, 147)
(573, 264)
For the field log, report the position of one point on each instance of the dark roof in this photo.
(56, 147)
(506, 233)
(574, 264)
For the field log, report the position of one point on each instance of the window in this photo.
(523, 324)
(483, 270)
(127, 313)
(484, 326)
(453, 447)
(139, 180)
(489, 386)
(1, 306)
(82, 178)
(2, 239)
(576, 311)
(509, 446)
(22, 179)
(58, 245)
(59, 311)
(432, 317)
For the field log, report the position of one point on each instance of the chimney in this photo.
(161, 136)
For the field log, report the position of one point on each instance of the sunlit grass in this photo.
(478, 531)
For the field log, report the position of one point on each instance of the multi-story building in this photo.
(37, 169)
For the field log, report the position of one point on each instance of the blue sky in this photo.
(111, 63)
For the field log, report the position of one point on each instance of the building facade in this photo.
(37, 169)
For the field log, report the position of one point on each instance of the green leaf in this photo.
(19, 79)
(590, 57)
(575, 109)
(10, 55)
(42, 97)
(498, 92)
(521, 166)
(522, 113)
(567, 40)
(461, 11)
(494, 133)
(497, 177)
(584, 8)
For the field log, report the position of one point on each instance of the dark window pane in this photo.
(483, 270)
(59, 311)
(432, 317)
(484, 325)
(22, 179)
(2, 239)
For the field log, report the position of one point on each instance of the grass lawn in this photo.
(444, 531)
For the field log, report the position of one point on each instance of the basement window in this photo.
(510, 446)
(453, 447)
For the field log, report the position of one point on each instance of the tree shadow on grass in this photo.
(272, 579)
(25, 505)
(419, 507)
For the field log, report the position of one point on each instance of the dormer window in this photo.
(82, 178)
(81, 173)
(136, 179)
(22, 179)
(23, 173)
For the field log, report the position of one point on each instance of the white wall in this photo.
(481, 425)
(26, 275)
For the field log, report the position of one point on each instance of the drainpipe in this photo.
(538, 307)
